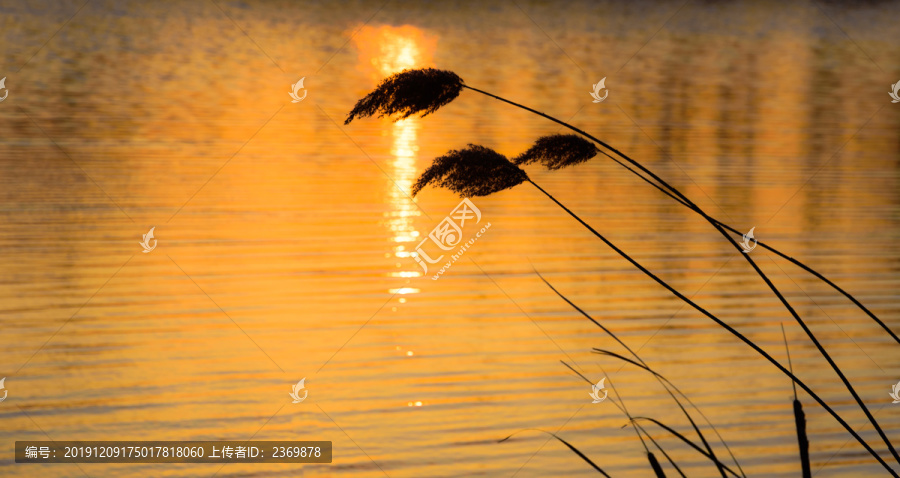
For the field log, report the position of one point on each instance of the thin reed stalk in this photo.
(654, 463)
(666, 384)
(567, 444)
(662, 380)
(770, 249)
(726, 327)
(678, 196)
(424, 91)
(747, 257)
(635, 421)
(638, 429)
(480, 171)
(679, 436)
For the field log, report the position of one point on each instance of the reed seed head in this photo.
(409, 92)
(558, 151)
(473, 171)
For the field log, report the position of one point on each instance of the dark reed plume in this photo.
(473, 171)
(494, 157)
(735, 244)
(571, 447)
(558, 151)
(407, 93)
(662, 380)
(383, 100)
(799, 419)
(425, 90)
(428, 89)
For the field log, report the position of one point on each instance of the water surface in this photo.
(284, 236)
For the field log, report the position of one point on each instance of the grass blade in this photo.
(654, 463)
(569, 445)
(687, 441)
(747, 341)
(734, 243)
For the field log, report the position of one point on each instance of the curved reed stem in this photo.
(729, 329)
(770, 249)
(567, 444)
(640, 429)
(690, 205)
(679, 436)
(747, 257)
(662, 380)
(666, 384)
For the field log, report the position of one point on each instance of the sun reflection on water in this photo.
(383, 51)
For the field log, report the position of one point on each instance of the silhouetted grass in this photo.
(415, 91)
(638, 429)
(687, 202)
(472, 171)
(666, 384)
(654, 463)
(408, 93)
(425, 90)
(452, 170)
(768, 247)
(569, 445)
(661, 379)
(635, 421)
(558, 151)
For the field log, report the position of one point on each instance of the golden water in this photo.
(284, 237)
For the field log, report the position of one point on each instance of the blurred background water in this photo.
(284, 237)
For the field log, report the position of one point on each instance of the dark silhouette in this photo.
(429, 89)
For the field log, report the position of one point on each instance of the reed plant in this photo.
(637, 423)
(478, 171)
(670, 388)
(424, 91)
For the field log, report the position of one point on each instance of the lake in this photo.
(284, 238)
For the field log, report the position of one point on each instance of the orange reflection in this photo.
(386, 50)
(383, 51)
